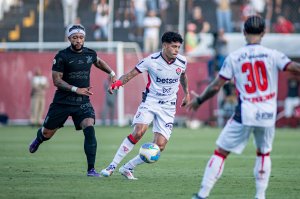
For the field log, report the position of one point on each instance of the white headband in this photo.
(75, 29)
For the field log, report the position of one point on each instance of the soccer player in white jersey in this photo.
(255, 71)
(166, 70)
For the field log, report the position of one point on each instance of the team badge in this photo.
(54, 61)
(178, 71)
(88, 59)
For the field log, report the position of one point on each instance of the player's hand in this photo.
(84, 91)
(185, 100)
(114, 86)
(113, 79)
(193, 105)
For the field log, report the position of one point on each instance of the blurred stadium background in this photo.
(31, 32)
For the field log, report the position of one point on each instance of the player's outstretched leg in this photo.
(34, 145)
(125, 147)
(127, 169)
(262, 171)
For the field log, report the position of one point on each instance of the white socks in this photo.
(134, 162)
(213, 172)
(262, 171)
(125, 147)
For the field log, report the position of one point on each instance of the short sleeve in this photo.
(58, 63)
(281, 60)
(142, 66)
(94, 56)
(226, 70)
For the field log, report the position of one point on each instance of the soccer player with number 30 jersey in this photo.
(254, 69)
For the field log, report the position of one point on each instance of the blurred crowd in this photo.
(143, 21)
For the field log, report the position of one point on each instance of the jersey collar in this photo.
(168, 62)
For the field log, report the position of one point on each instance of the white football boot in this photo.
(127, 173)
(108, 171)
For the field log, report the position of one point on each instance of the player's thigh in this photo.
(234, 137)
(56, 116)
(144, 114)
(263, 138)
(164, 119)
(81, 112)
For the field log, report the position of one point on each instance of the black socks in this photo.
(40, 137)
(90, 146)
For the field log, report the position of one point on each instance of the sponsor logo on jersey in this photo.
(166, 80)
(143, 107)
(178, 71)
(169, 125)
(264, 116)
(166, 90)
(161, 94)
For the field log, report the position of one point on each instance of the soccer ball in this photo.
(149, 152)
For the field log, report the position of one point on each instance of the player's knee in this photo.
(161, 146)
(87, 122)
(47, 133)
(138, 132)
(222, 152)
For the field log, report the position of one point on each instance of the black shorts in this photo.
(59, 113)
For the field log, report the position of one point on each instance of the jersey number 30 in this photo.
(256, 76)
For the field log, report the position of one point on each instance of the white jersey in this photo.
(255, 72)
(163, 77)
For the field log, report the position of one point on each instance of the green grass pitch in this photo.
(58, 168)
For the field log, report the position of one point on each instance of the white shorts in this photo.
(290, 103)
(234, 137)
(162, 116)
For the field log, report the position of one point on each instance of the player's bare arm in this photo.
(102, 65)
(212, 89)
(127, 77)
(294, 67)
(61, 84)
(184, 84)
(123, 80)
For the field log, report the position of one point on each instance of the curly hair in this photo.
(170, 37)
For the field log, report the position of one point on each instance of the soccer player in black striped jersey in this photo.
(71, 75)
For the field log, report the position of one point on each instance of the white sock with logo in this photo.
(125, 147)
(262, 171)
(213, 172)
(131, 164)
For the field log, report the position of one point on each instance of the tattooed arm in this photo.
(63, 85)
(59, 82)
(184, 84)
(102, 65)
(123, 80)
(212, 89)
(127, 77)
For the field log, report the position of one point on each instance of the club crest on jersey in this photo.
(54, 61)
(178, 71)
(88, 59)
